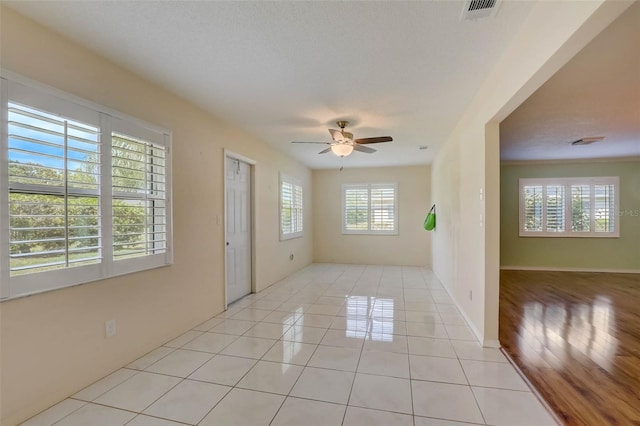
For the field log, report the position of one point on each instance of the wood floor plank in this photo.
(576, 336)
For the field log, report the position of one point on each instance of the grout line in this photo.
(215, 405)
(471, 389)
(158, 417)
(355, 373)
(136, 372)
(63, 417)
(146, 406)
(413, 409)
(300, 375)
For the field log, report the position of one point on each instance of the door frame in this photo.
(252, 164)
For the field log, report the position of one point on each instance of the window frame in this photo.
(567, 183)
(369, 187)
(26, 92)
(295, 232)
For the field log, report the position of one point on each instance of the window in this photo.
(291, 222)
(370, 209)
(87, 193)
(139, 197)
(569, 207)
(54, 194)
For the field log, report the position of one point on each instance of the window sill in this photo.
(291, 236)
(377, 233)
(565, 235)
(77, 280)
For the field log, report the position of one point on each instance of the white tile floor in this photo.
(329, 345)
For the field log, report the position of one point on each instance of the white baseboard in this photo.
(479, 337)
(563, 269)
(491, 344)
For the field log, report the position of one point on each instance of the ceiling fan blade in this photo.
(324, 143)
(361, 148)
(374, 140)
(336, 135)
(324, 151)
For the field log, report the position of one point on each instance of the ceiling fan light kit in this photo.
(342, 149)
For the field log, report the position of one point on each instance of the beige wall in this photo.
(53, 344)
(606, 254)
(412, 245)
(466, 241)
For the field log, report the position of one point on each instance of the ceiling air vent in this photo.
(476, 9)
(588, 141)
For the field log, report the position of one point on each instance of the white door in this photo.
(238, 229)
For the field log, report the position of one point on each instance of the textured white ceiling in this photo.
(287, 71)
(597, 93)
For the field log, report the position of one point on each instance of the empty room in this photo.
(319, 213)
(570, 279)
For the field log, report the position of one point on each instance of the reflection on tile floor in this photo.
(329, 345)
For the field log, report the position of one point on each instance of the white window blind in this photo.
(569, 207)
(532, 208)
(297, 208)
(87, 193)
(54, 211)
(356, 209)
(139, 197)
(580, 208)
(291, 208)
(370, 209)
(605, 211)
(555, 208)
(383, 207)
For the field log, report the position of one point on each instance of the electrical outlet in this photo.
(291, 256)
(110, 328)
(470, 294)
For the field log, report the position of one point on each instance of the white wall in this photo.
(412, 245)
(53, 344)
(466, 242)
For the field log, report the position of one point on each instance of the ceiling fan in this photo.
(343, 143)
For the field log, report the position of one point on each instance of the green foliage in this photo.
(129, 158)
(533, 203)
(32, 173)
(357, 218)
(37, 221)
(580, 214)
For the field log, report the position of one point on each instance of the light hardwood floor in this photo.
(576, 336)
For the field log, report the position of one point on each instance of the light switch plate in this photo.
(110, 328)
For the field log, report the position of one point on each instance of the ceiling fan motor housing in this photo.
(347, 136)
